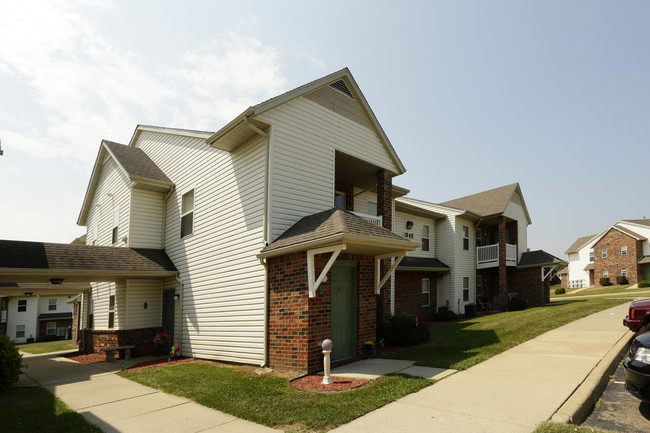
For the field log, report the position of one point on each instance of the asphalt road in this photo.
(618, 410)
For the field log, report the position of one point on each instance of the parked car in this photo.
(638, 316)
(637, 368)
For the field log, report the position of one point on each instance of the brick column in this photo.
(385, 209)
(503, 275)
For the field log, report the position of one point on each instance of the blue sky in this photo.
(472, 94)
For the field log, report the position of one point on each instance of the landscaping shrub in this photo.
(10, 362)
(605, 281)
(644, 283)
(620, 280)
(404, 330)
(445, 316)
(560, 291)
(517, 305)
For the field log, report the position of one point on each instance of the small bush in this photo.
(605, 281)
(644, 283)
(444, 316)
(10, 362)
(403, 330)
(517, 305)
(620, 280)
(560, 291)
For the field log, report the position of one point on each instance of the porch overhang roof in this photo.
(39, 262)
(422, 264)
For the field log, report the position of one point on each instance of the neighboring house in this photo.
(38, 318)
(481, 240)
(621, 250)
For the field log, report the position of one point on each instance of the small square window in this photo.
(22, 305)
(187, 213)
(51, 305)
(624, 250)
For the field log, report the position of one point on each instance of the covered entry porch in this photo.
(118, 291)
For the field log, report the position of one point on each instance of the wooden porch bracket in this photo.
(545, 275)
(379, 281)
(311, 267)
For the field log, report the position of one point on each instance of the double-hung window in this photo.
(51, 304)
(606, 273)
(187, 213)
(425, 238)
(465, 238)
(22, 305)
(624, 272)
(465, 289)
(624, 250)
(426, 292)
(603, 253)
(111, 311)
(116, 226)
(20, 331)
(51, 328)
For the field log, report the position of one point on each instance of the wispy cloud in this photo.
(82, 88)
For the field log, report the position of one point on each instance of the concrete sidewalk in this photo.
(556, 375)
(120, 405)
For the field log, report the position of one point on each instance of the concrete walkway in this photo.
(556, 375)
(120, 405)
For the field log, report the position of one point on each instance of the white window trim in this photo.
(606, 273)
(24, 330)
(47, 330)
(624, 272)
(624, 251)
(465, 236)
(192, 212)
(50, 304)
(603, 253)
(428, 237)
(428, 292)
(18, 306)
(115, 229)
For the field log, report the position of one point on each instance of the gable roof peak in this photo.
(490, 202)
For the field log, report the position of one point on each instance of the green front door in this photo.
(344, 309)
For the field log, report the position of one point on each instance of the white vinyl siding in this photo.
(139, 293)
(146, 219)
(224, 282)
(304, 140)
(415, 233)
(640, 229)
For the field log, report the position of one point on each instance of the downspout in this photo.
(164, 215)
(180, 322)
(265, 234)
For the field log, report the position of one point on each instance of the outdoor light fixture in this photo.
(28, 294)
(409, 225)
(56, 281)
(177, 297)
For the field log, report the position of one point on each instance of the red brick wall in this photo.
(612, 241)
(142, 339)
(408, 294)
(529, 286)
(564, 281)
(298, 324)
(385, 209)
(42, 328)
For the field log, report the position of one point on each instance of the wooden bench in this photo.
(125, 352)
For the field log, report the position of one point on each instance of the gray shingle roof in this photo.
(421, 262)
(329, 223)
(55, 316)
(136, 162)
(645, 222)
(578, 243)
(629, 232)
(539, 257)
(491, 202)
(41, 255)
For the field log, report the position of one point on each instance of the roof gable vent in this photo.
(341, 87)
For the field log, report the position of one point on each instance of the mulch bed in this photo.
(313, 382)
(92, 358)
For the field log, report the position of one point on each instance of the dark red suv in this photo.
(638, 316)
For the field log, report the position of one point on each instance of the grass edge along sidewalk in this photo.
(271, 401)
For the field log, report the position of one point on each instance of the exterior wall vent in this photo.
(341, 87)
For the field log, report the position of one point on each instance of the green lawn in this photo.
(270, 400)
(37, 410)
(599, 290)
(551, 427)
(47, 347)
(464, 344)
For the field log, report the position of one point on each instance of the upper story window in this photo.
(591, 256)
(372, 208)
(187, 213)
(51, 304)
(22, 305)
(425, 238)
(624, 250)
(116, 226)
(465, 238)
(339, 200)
(479, 238)
(604, 253)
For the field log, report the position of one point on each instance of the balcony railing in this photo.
(488, 256)
(377, 220)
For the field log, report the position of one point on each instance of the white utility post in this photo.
(327, 349)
